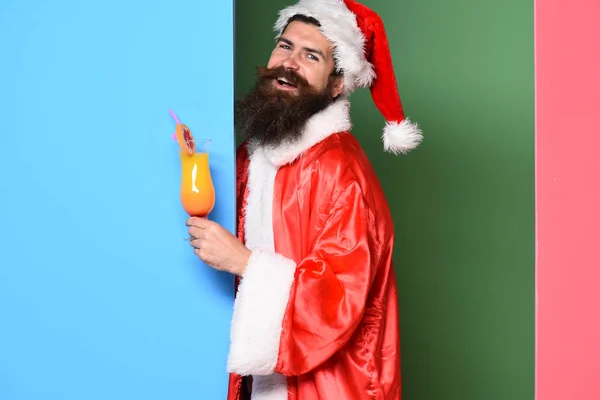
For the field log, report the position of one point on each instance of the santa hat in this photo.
(362, 52)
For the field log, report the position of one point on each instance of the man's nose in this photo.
(290, 62)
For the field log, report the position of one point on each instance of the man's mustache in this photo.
(281, 72)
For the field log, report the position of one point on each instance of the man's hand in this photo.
(217, 247)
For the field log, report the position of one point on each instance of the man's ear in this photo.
(338, 86)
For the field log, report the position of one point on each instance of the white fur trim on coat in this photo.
(333, 119)
(263, 293)
(258, 313)
(338, 24)
(401, 137)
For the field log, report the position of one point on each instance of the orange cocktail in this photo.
(197, 191)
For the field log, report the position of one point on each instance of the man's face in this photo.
(297, 83)
(305, 51)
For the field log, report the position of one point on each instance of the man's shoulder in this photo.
(340, 151)
(341, 160)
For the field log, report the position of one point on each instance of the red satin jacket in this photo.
(316, 313)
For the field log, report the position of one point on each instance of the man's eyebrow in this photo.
(311, 50)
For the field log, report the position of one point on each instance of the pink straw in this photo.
(176, 120)
(174, 116)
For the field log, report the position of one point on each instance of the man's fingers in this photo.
(197, 253)
(196, 221)
(196, 232)
(199, 249)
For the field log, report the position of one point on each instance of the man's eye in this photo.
(284, 46)
(312, 57)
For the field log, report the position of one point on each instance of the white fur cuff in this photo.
(258, 314)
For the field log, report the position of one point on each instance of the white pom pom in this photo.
(401, 137)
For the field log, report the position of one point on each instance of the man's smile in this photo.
(284, 84)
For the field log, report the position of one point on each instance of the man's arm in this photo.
(291, 318)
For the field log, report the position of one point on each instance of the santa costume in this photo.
(316, 313)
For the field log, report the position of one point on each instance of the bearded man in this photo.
(316, 313)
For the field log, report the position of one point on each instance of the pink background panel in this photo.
(568, 199)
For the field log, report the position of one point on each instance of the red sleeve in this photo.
(322, 298)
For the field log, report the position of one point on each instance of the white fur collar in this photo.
(333, 119)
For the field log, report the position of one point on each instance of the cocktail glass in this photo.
(197, 191)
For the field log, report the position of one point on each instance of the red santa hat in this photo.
(362, 52)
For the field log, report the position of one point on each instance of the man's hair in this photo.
(303, 18)
(312, 21)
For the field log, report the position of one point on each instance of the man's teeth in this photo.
(284, 81)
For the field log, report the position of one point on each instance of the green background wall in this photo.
(463, 203)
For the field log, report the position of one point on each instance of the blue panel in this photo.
(100, 296)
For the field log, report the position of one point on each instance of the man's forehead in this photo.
(303, 30)
(301, 33)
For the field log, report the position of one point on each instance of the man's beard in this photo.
(273, 116)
